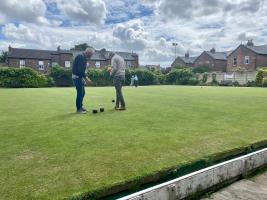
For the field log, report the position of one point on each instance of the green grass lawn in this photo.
(49, 152)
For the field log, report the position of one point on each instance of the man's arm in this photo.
(114, 65)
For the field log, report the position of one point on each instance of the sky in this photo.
(146, 27)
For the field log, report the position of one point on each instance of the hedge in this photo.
(61, 76)
(181, 77)
(22, 78)
(100, 77)
(261, 78)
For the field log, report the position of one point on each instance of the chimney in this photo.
(250, 43)
(58, 48)
(187, 54)
(213, 50)
(9, 48)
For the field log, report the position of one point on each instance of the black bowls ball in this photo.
(95, 111)
(113, 100)
(102, 109)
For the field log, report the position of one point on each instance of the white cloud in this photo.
(132, 35)
(83, 11)
(26, 10)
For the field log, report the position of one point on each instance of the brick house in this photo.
(43, 60)
(217, 61)
(247, 57)
(184, 61)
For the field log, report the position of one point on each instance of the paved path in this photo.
(248, 189)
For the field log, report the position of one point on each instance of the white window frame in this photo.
(21, 64)
(67, 64)
(234, 61)
(246, 60)
(41, 65)
(97, 64)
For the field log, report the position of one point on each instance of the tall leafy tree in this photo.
(3, 57)
(81, 47)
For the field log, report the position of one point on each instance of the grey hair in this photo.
(90, 50)
(111, 54)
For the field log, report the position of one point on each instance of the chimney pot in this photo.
(250, 43)
(213, 50)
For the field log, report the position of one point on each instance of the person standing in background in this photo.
(136, 81)
(132, 81)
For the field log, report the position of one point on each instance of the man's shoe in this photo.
(84, 109)
(122, 108)
(81, 111)
(116, 108)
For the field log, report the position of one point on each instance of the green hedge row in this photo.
(60, 77)
(23, 78)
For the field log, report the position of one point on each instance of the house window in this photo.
(41, 65)
(234, 61)
(97, 64)
(21, 63)
(54, 64)
(246, 60)
(67, 64)
(128, 64)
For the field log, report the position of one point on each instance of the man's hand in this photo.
(110, 70)
(88, 81)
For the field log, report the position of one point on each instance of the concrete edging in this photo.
(204, 179)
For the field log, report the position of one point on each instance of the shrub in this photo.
(261, 76)
(160, 79)
(205, 77)
(22, 78)
(100, 77)
(61, 76)
(145, 77)
(251, 84)
(180, 76)
(214, 80)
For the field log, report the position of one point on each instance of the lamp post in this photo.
(175, 45)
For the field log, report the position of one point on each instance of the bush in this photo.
(100, 77)
(180, 76)
(61, 76)
(160, 79)
(214, 80)
(22, 78)
(261, 77)
(205, 77)
(145, 77)
(201, 69)
(251, 84)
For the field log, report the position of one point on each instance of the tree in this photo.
(3, 57)
(81, 47)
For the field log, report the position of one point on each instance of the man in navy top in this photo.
(80, 78)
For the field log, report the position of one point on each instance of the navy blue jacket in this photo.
(79, 66)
